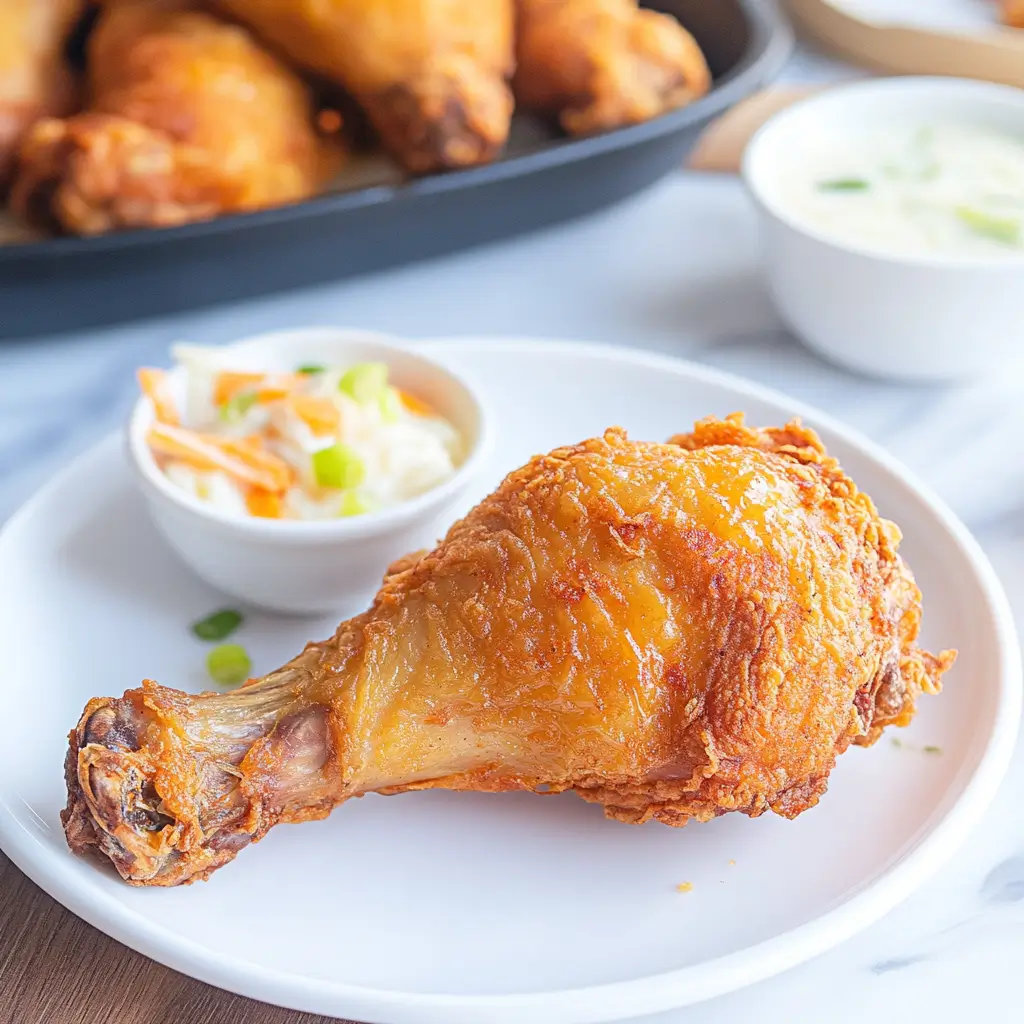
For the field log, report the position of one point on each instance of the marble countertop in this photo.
(674, 270)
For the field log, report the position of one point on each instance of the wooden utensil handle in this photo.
(996, 55)
(721, 146)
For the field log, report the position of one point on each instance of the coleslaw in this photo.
(314, 443)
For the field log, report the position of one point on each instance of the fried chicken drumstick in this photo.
(603, 64)
(431, 74)
(34, 82)
(672, 631)
(188, 118)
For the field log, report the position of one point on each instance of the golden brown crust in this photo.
(603, 64)
(447, 117)
(1013, 13)
(188, 118)
(34, 81)
(431, 74)
(673, 631)
(96, 173)
(907, 671)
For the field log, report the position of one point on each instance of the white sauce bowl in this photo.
(326, 565)
(928, 317)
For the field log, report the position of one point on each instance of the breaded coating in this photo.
(34, 81)
(603, 64)
(673, 631)
(188, 117)
(431, 74)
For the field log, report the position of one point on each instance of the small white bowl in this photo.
(918, 317)
(327, 565)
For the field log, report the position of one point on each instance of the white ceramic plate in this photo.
(448, 908)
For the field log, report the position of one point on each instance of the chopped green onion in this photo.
(355, 504)
(1000, 229)
(311, 368)
(229, 664)
(390, 405)
(364, 382)
(897, 743)
(235, 408)
(218, 625)
(338, 467)
(844, 185)
(932, 749)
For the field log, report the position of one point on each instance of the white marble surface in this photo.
(673, 270)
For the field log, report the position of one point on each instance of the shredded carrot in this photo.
(319, 414)
(239, 459)
(230, 383)
(250, 451)
(264, 504)
(415, 405)
(154, 387)
(166, 449)
(275, 390)
(267, 387)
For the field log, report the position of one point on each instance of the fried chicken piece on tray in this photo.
(603, 64)
(1013, 13)
(34, 81)
(672, 631)
(431, 74)
(188, 118)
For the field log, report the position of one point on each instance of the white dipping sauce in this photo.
(940, 189)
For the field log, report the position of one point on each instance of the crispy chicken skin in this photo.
(188, 118)
(431, 74)
(603, 64)
(672, 631)
(34, 81)
(1013, 13)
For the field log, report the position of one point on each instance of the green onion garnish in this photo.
(235, 408)
(311, 368)
(355, 504)
(1000, 229)
(932, 749)
(364, 381)
(338, 467)
(844, 185)
(229, 664)
(218, 625)
(390, 405)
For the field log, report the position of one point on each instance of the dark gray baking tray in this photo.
(66, 284)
